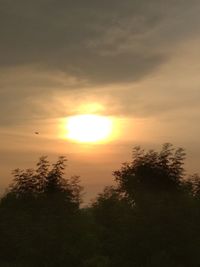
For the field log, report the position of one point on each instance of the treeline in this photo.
(150, 218)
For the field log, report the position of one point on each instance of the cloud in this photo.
(57, 54)
(97, 41)
(171, 93)
(22, 89)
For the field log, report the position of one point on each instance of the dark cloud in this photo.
(52, 46)
(100, 41)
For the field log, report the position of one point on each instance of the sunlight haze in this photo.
(94, 79)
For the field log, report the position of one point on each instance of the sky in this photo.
(136, 62)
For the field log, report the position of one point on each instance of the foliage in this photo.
(40, 210)
(44, 181)
(151, 212)
(151, 172)
(149, 218)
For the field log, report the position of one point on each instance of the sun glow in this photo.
(89, 128)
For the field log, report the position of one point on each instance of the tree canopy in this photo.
(150, 217)
(46, 180)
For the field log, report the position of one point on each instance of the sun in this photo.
(89, 128)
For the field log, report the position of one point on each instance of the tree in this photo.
(150, 217)
(151, 174)
(41, 210)
(156, 221)
(45, 181)
(112, 216)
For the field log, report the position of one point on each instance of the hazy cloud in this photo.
(51, 49)
(100, 41)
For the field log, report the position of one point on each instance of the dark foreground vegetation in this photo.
(151, 217)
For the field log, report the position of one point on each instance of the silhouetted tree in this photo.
(151, 173)
(149, 218)
(112, 215)
(156, 221)
(39, 216)
(44, 181)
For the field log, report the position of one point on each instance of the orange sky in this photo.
(136, 62)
